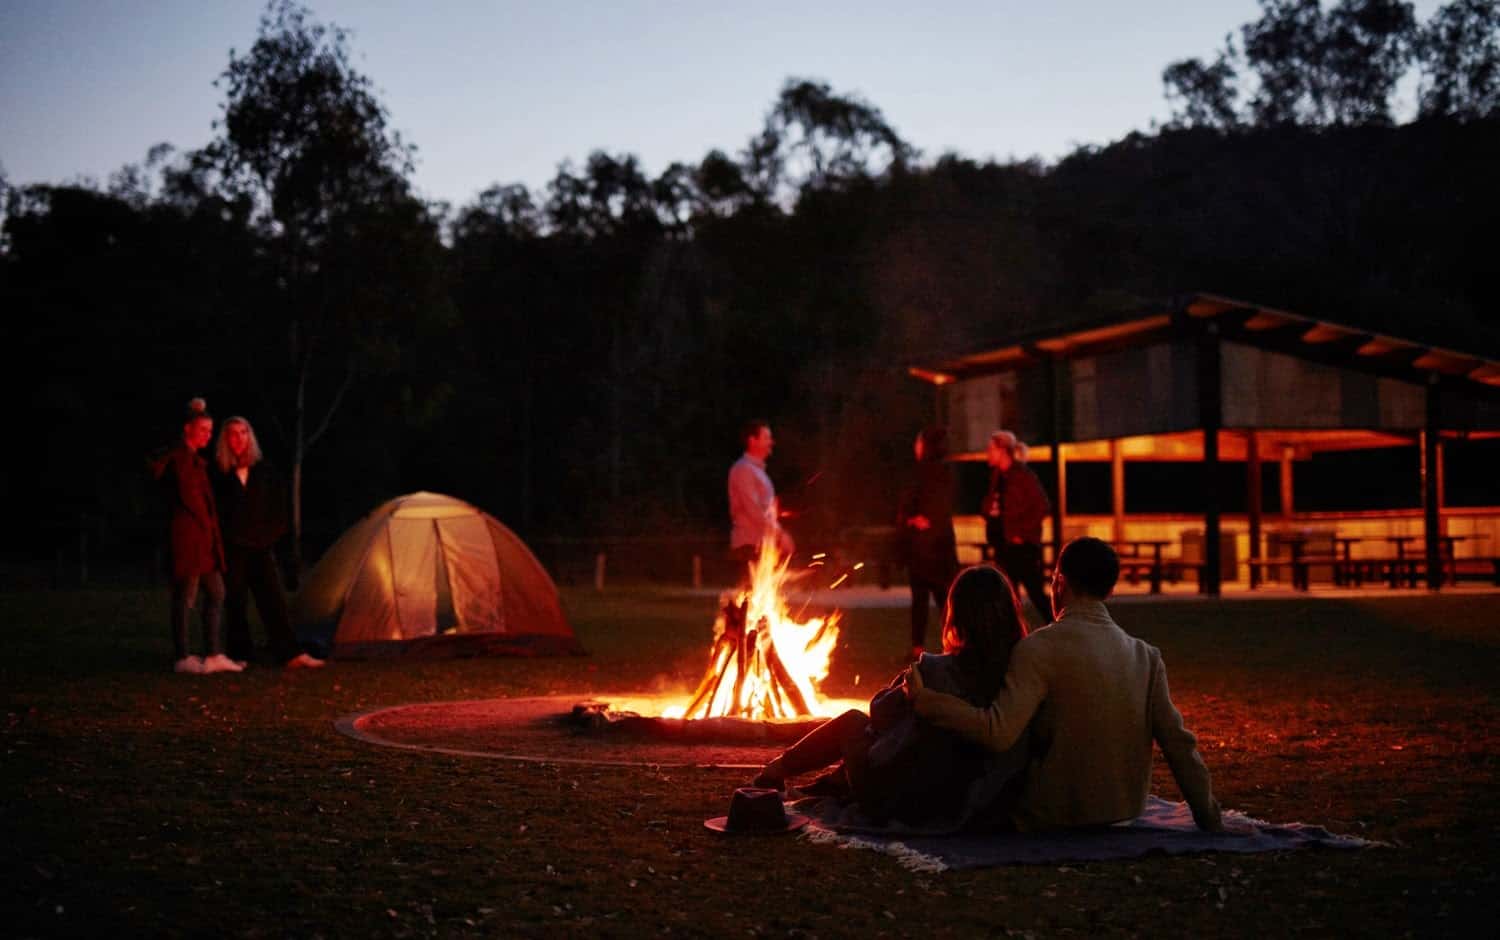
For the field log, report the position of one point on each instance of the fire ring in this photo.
(574, 729)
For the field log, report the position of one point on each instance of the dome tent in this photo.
(432, 574)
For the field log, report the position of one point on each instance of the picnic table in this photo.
(1298, 559)
(1403, 565)
(1145, 556)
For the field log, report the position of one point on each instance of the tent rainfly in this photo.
(432, 574)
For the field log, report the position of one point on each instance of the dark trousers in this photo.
(1022, 564)
(824, 745)
(253, 571)
(923, 589)
(185, 598)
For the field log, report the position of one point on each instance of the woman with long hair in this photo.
(253, 512)
(195, 548)
(894, 766)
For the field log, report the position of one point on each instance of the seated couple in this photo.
(1031, 732)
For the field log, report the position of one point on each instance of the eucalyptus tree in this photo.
(305, 140)
(815, 139)
(1458, 50)
(1310, 66)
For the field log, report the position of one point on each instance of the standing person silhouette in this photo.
(1014, 508)
(195, 547)
(754, 514)
(253, 516)
(926, 520)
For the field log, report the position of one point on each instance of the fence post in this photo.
(697, 571)
(599, 572)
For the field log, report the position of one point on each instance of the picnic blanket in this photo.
(1164, 827)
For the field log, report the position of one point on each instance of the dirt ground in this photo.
(134, 801)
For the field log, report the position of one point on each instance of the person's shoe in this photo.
(218, 662)
(771, 776)
(304, 661)
(766, 782)
(188, 664)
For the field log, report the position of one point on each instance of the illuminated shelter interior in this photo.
(1211, 379)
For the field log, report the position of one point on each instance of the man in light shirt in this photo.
(753, 512)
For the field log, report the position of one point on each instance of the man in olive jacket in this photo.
(1094, 699)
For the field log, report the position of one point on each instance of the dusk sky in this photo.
(504, 92)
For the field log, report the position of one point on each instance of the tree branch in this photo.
(338, 399)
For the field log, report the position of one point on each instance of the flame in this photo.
(765, 665)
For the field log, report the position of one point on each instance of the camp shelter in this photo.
(429, 573)
(1207, 379)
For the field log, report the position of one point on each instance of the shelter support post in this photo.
(1431, 496)
(1054, 440)
(1210, 412)
(1252, 502)
(1288, 507)
(1117, 487)
(1442, 485)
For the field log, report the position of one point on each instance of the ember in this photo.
(764, 665)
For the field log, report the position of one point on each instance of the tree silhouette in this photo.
(815, 139)
(1203, 95)
(304, 140)
(1312, 67)
(1459, 51)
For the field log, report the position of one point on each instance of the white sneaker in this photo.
(304, 661)
(218, 662)
(189, 664)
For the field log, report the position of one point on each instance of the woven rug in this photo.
(1163, 828)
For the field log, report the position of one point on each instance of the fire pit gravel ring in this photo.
(539, 730)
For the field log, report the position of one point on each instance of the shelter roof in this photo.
(1307, 337)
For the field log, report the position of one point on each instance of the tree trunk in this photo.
(299, 453)
(525, 474)
(616, 409)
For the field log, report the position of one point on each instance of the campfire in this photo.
(764, 665)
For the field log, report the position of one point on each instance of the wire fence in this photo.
(86, 552)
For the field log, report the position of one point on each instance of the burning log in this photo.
(762, 664)
(749, 675)
(782, 683)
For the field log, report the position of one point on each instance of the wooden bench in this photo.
(1392, 570)
(1476, 569)
(1300, 567)
(1412, 570)
(1172, 570)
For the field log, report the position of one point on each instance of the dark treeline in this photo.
(577, 361)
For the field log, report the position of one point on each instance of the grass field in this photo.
(137, 802)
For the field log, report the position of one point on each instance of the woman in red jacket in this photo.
(1014, 509)
(195, 549)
